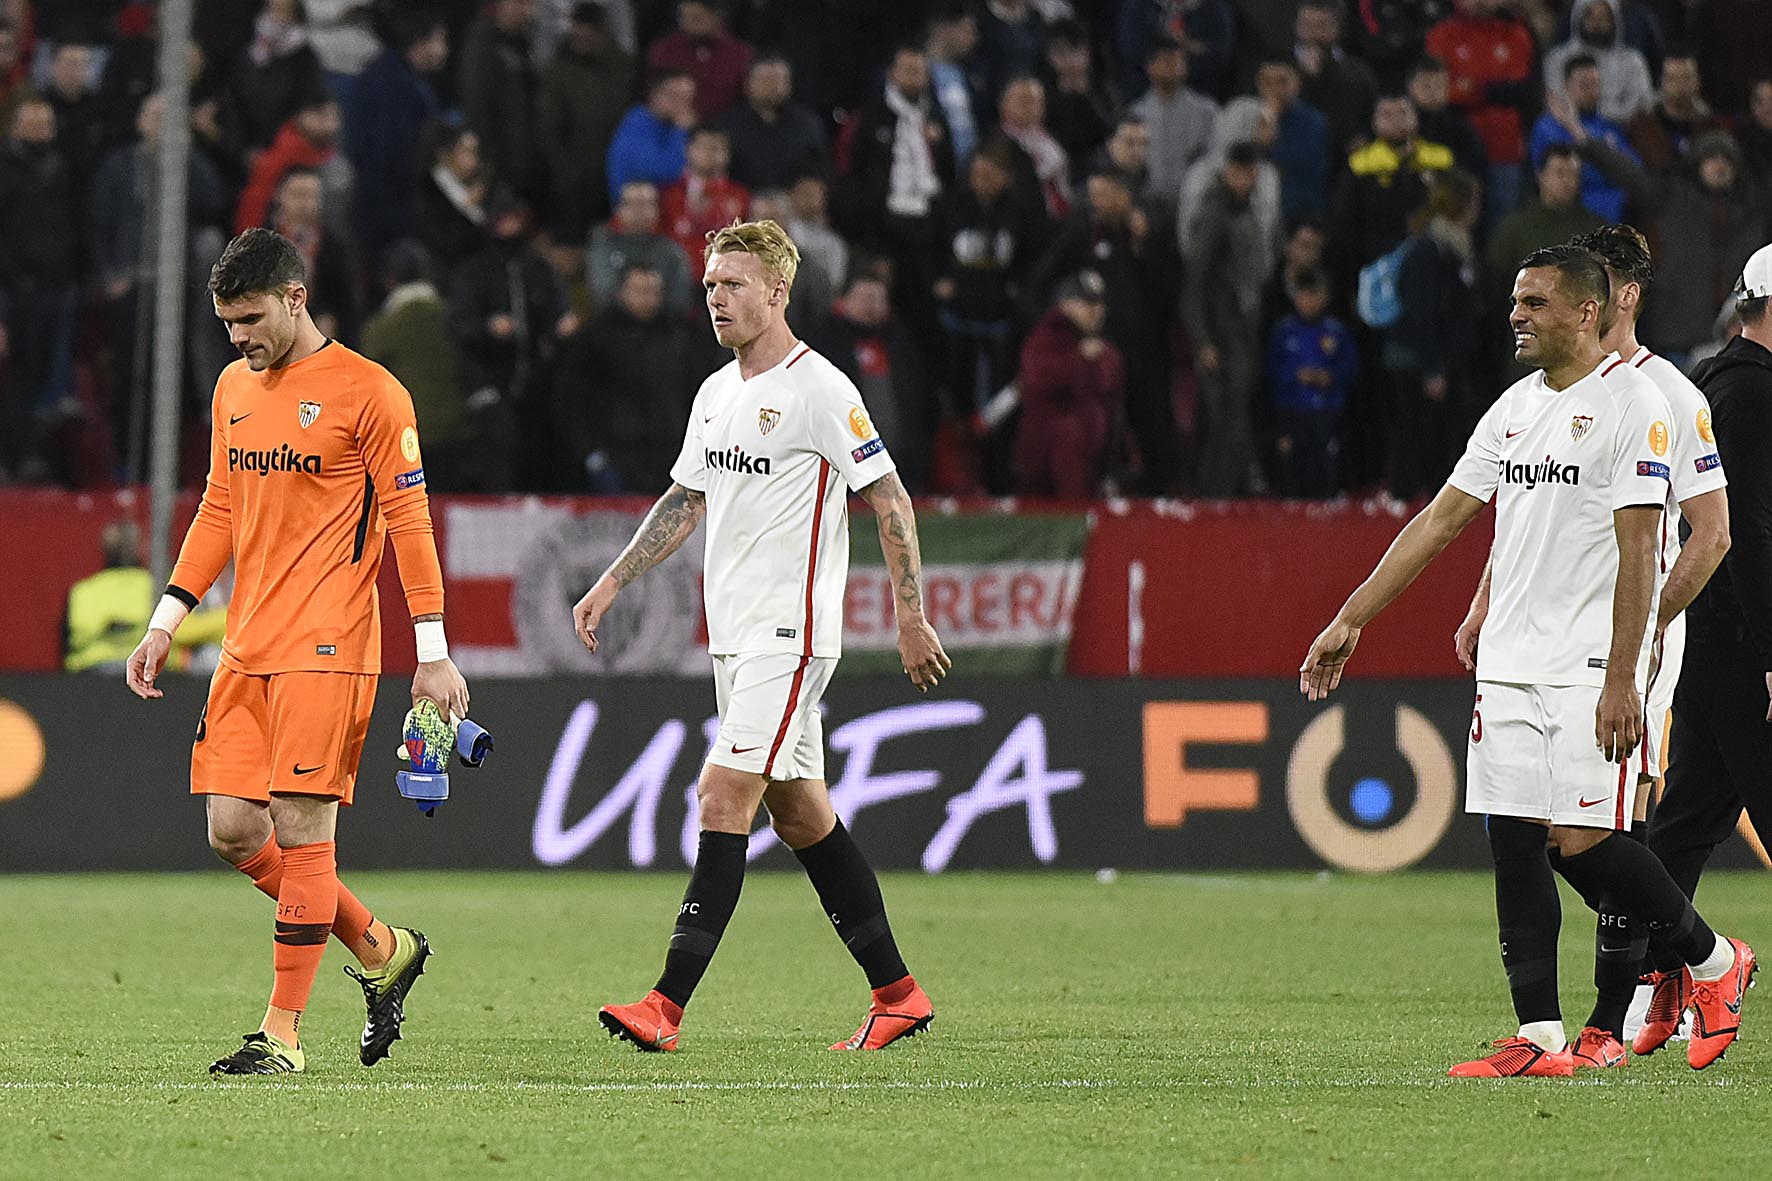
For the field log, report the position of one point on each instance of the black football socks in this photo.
(850, 895)
(1628, 873)
(708, 904)
(1529, 915)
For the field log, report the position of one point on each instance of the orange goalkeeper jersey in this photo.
(310, 466)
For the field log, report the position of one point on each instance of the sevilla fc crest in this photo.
(1579, 425)
(307, 412)
(767, 418)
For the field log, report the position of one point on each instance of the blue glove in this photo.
(428, 740)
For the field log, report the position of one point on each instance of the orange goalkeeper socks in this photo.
(307, 902)
(367, 936)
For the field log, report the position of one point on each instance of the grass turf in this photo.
(1154, 1026)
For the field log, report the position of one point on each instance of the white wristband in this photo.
(432, 645)
(168, 615)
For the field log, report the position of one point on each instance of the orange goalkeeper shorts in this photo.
(294, 733)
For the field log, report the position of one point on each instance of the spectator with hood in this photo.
(1626, 89)
(583, 93)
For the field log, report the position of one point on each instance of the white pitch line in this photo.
(670, 1088)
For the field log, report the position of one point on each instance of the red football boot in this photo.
(650, 1023)
(905, 1015)
(1597, 1049)
(1667, 1006)
(1518, 1057)
(1716, 1008)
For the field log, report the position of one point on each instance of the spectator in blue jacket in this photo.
(653, 140)
(390, 105)
(1429, 350)
(1312, 364)
(1581, 102)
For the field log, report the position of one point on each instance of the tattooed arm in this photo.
(673, 518)
(918, 646)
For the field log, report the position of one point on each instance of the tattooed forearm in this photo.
(898, 542)
(668, 525)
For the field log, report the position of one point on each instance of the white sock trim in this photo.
(1546, 1035)
(1717, 964)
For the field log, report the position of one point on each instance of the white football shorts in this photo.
(1532, 756)
(769, 719)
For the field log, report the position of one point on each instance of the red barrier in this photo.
(1170, 589)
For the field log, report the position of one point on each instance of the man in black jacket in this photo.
(1722, 727)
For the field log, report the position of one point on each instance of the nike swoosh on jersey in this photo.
(301, 770)
(1521, 431)
(1593, 803)
(234, 418)
(745, 750)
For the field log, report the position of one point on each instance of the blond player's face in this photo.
(743, 298)
(262, 326)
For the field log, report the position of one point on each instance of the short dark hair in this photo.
(1681, 51)
(1562, 151)
(660, 77)
(1624, 250)
(1427, 63)
(407, 27)
(1308, 221)
(1580, 272)
(1069, 30)
(1163, 43)
(637, 268)
(257, 262)
(1753, 311)
(1311, 279)
(1245, 152)
(1578, 61)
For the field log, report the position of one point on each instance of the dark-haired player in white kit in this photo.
(775, 441)
(1575, 457)
(1696, 501)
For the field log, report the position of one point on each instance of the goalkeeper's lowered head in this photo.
(429, 739)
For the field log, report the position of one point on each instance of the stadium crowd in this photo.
(1063, 247)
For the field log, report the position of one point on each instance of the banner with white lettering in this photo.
(991, 773)
(1000, 590)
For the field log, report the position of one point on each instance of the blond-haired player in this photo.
(775, 441)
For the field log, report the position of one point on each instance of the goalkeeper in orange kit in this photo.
(314, 459)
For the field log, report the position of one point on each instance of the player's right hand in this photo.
(588, 612)
(1464, 641)
(146, 662)
(1321, 671)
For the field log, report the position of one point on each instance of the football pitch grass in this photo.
(1152, 1026)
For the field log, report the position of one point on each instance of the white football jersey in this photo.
(1696, 466)
(1558, 464)
(776, 457)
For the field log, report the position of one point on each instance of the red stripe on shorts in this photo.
(787, 715)
(1623, 774)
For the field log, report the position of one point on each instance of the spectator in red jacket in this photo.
(1493, 63)
(704, 198)
(1072, 381)
(702, 48)
(308, 140)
